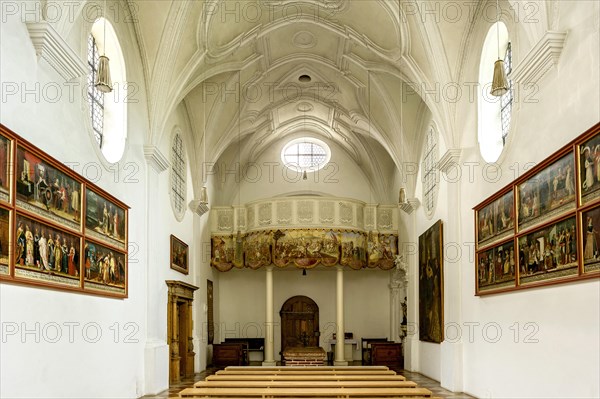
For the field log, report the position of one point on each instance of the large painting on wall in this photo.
(431, 285)
(5, 166)
(105, 269)
(104, 220)
(496, 221)
(45, 253)
(47, 191)
(4, 241)
(589, 169)
(496, 267)
(547, 194)
(590, 228)
(179, 255)
(549, 253)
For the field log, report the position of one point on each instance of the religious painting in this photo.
(48, 192)
(382, 250)
(590, 228)
(4, 241)
(222, 253)
(256, 248)
(589, 169)
(104, 220)
(353, 249)
(431, 285)
(210, 319)
(46, 253)
(304, 248)
(547, 194)
(496, 221)
(496, 267)
(5, 168)
(105, 269)
(549, 253)
(179, 255)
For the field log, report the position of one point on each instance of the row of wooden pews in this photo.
(365, 382)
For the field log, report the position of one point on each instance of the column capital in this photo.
(156, 159)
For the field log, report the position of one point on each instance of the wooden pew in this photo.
(305, 377)
(305, 384)
(315, 368)
(307, 371)
(256, 392)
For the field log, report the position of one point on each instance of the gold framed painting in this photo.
(6, 146)
(547, 194)
(589, 169)
(549, 253)
(105, 219)
(496, 221)
(589, 226)
(431, 284)
(496, 267)
(46, 190)
(46, 254)
(179, 255)
(5, 241)
(105, 269)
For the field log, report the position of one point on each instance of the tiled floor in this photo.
(423, 381)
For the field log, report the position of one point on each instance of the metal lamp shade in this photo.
(204, 195)
(500, 82)
(103, 82)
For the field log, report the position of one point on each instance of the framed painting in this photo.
(5, 242)
(496, 221)
(179, 255)
(431, 285)
(590, 231)
(105, 221)
(105, 269)
(5, 168)
(496, 267)
(549, 253)
(589, 169)
(210, 320)
(45, 253)
(46, 191)
(548, 194)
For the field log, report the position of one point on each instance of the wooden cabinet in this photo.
(229, 354)
(386, 354)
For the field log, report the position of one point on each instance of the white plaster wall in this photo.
(366, 302)
(557, 354)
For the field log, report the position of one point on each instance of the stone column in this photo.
(339, 345)
(269, 328)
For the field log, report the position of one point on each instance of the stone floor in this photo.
(420, 379)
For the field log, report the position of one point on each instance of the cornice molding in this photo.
(50, 46)
(542, 57)
(449, 159)
(156, 159)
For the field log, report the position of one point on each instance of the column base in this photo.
(340, 363)
(269, 363)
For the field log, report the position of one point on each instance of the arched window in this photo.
(430, 171)
(305, 153)
(107, 111)
(178, 176)
(494, 115)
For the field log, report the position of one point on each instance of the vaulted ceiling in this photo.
(234, 66)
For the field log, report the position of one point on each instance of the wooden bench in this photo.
(308, 371)
(305, 377)
(317, 368)
(305, 384)
(256, 392)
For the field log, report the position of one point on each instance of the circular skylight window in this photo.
(305, 154)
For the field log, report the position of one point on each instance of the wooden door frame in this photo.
(180, 294)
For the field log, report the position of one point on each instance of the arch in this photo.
(489, 131)
(299, 322)
(114, 132)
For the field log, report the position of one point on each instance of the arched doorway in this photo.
(299, 322)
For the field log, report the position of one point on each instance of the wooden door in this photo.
(299, 323)
(182, 315)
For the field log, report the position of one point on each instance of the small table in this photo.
(304, 356)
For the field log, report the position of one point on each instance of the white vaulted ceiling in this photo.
(361, 56)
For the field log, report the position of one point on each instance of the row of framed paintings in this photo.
(544, 227)
(57, 229)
